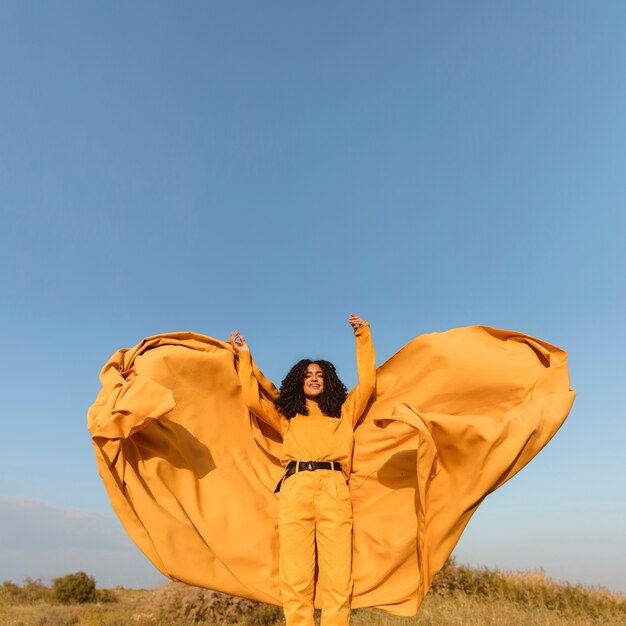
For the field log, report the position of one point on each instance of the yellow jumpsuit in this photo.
(314, 508)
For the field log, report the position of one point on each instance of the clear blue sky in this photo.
(272, 167)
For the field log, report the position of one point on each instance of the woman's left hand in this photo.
(355, 321)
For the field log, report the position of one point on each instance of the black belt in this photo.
(308, 466)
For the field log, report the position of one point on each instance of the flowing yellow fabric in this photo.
(191, 473)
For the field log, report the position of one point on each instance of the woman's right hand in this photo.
(238, 342)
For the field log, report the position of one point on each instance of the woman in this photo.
(316, 418)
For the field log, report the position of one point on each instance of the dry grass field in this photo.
(460, 596)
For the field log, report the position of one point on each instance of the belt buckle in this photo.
(308, 465)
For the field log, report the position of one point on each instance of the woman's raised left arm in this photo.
(358, 399)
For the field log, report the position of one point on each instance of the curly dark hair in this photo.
(291, 399)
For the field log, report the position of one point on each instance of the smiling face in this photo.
(313, 381)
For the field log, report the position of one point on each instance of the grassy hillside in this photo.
(460, 595)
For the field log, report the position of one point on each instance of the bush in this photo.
(177, 603)
(75, 588)
(446, 580)
(105, 596)
(32, 592)
(527, 589)
(10, 592)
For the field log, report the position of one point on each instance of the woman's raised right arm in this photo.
(253, 396)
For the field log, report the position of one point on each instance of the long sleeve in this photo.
(253, 396)
(359, 397)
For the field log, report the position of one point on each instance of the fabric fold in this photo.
(137, 403)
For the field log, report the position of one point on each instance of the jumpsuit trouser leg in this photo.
(296, 529)
(334, 549)
(314, 507)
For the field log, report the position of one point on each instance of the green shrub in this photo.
(75, 588)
